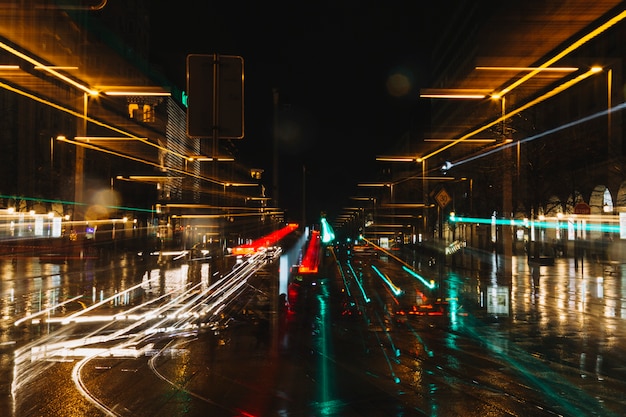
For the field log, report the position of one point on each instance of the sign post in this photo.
(215, 96)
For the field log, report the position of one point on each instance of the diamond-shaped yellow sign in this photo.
(443, 198)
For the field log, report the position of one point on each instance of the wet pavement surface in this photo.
(558, 351)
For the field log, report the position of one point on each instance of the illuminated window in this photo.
(133, 109)
(148, 114)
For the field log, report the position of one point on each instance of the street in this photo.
(557, 351)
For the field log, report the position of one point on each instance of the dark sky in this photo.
(334, 65)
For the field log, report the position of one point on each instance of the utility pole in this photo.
(275, 138)
(303, 196)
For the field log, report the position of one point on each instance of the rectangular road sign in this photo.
(215, 96)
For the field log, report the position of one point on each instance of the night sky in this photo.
(348, 78)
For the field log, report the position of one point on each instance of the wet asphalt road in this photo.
(558, 352)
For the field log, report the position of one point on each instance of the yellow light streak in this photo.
(48, 69)
(129, 138)
(56, 67)
(153, 178)
(221, 216)
(539, 69)
(143, 161)
(468, 140)
(202, 158)
(138, 93)
(455, 96)
(92, 92)
(406, 205)
(575, 45)
(207, 206)
(395, 159)
(240, 184)
(105, 138)
(520, 109)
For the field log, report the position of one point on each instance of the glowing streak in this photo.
(68, 80)
(106, 126)
(343, 275)
(358, 282)
(310, 261)
(264, 242)
(429, 285)
(45, 200)
(526, 106)
(601, 226)
(394, 289)
(129, 137)
(39, 65)
(39, 313)
(328, 234)
(405, 266)
(611, 22)
(143, 161)
(111, 298)
(543, 134)
(78, 382)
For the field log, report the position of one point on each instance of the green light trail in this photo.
(328, 235)
(394, 289)
(429, 285)
(358, 282)
(588, 225)
(73, 203)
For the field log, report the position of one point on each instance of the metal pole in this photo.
(275, 138)
(81, 130)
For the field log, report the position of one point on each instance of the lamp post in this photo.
(81, 130)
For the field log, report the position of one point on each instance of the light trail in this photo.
(589, 223)
(341, 271)
(430, 285)
(80, 385)
(72, 203)
(405, 266)
(394, 288)
(358, 282)
(180, 315)
(546, 96)
(543, 134)
(73, 317)
(47, 310)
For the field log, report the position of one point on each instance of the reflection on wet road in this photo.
(364, 337)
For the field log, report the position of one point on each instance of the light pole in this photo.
(81, 130)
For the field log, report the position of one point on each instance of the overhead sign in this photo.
(215, 96)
